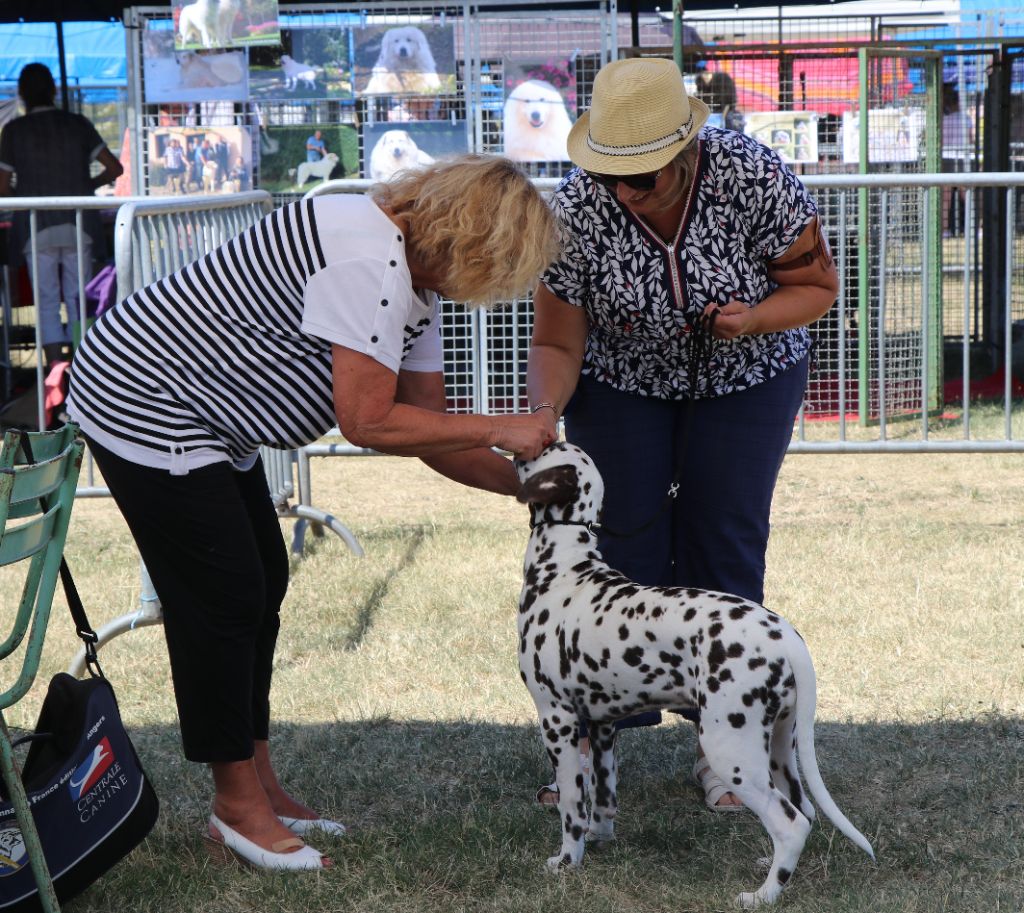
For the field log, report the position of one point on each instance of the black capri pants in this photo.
(213, 547)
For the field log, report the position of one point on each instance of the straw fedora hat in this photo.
(640, 118)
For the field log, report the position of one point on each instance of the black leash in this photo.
(702, 346)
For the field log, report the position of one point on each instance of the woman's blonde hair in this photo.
(477, 222)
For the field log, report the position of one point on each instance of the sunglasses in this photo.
(645, 181)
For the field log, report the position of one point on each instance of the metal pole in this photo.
(677, 33)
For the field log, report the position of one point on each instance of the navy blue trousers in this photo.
(714, 534)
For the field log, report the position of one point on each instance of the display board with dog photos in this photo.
(539, 109)
(386, 86)
(388, 148)
(205, 24)
(289, 165)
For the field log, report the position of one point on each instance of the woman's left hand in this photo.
(734, 319)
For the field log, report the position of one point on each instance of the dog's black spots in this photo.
(725, 675)
(694, 593)
(702, 701)
(551, 735)
(767, 741)
(712, 684)
(566, 602)
(730, 598)
(796, 792)
(738, 720)
(775, 635)
(606, 655)
(651, 636)
(737, 781)
(623, 632)
(542, 619)
(565, 731)
(598, 620)
(716, 656)
(670, 659)
(739, 612)
(522, 675)
(633, 656)
(774, 764)
(689, 614)
(756, 662)
(715, 615)
(735, 650)
(774, 619)
(735, 770)
(592, 663)
(787, 807)
(657, 612)
(539, 640)
(784, 875)
(715, 629)
(679, 643)
(584, 537)
(790, 681)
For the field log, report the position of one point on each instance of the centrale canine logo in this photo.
(91, 769)
(12, 851)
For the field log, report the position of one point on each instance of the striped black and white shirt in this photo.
(233, 351)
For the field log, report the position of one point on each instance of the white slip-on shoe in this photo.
(241, 848)
(302, 826)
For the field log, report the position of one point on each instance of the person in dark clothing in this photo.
(46, 153)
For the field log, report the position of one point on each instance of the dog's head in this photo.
(561, 484)
(534, 104)
(407, 48)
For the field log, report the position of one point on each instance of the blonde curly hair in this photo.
(478, 222)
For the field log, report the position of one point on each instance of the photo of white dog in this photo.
(536, 123)
(210, 172)
(405, 64)
(321, 169)
(395, 150)
(295, 73)
(209, 22)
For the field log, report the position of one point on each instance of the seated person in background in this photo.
(48, 153)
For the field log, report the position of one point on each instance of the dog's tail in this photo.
(806, 701)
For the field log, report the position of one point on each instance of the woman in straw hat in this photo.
(673, 335)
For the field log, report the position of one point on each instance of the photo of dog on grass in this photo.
(205, 24)
(308, 63)
(597, 645)
(288, 170)
(405, 60)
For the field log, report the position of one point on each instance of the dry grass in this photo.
(400, 708)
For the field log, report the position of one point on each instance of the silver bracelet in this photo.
(545, 405)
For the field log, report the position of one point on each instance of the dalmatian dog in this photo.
(596, 645)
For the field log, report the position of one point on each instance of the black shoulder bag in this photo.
(90, 798)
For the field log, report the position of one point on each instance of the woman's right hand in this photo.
(525, 436)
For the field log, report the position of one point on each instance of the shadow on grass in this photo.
(442, 818)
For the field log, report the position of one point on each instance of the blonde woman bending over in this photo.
(323, 313)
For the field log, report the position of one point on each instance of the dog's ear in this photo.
(557, 485)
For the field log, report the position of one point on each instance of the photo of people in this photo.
(295, 159)
(404, 60)
(540, 101)
(791, 134)
(387, 149)
(199, 160)
(206, 24)
(894, 135)
(190, 76)
(309, 63)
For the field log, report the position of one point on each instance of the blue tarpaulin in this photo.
(94, 51)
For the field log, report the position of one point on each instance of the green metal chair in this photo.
(35, 507)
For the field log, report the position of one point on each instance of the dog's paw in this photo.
(561, 863)
(750, 901)
(601, 833)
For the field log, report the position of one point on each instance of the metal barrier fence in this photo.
(921, 321)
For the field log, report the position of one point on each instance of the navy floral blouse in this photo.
(643, 294)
